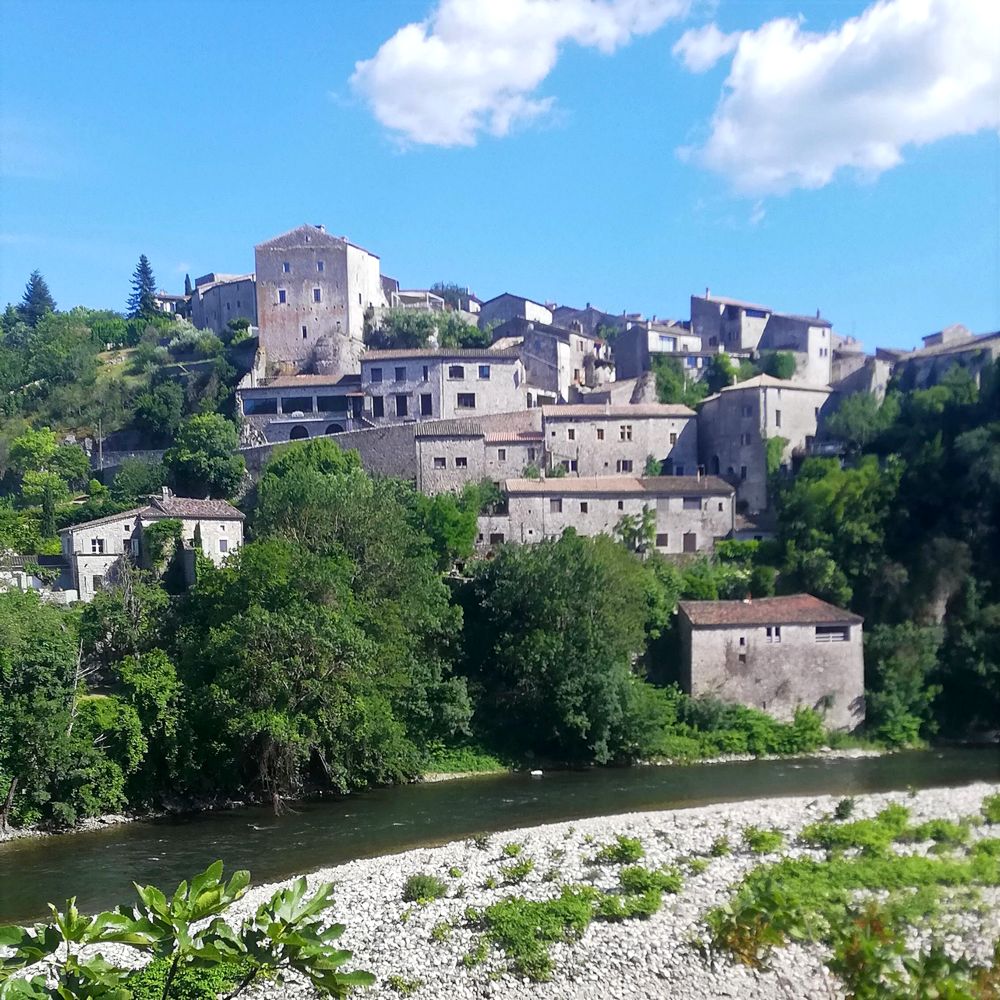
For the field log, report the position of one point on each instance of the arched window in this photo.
(334, 429)
(298, 433)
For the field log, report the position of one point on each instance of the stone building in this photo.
(636, 347)
(218, 298)
(556, 360)
(312, 285)
(451, 453)
(93, 549)
(809, 338)
(429, 383)
(736, 423)
(503, 307)
(776, 654)
(595, 440)
(955, 346)
(691, 511)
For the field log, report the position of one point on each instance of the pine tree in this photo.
(140, 302)
(37, 300)
(187, 284)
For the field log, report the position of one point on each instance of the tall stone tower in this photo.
(312, 285)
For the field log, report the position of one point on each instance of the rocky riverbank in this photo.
(432, 950)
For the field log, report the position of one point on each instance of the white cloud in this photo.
(474, 65)
(799, 106)
(701, 48)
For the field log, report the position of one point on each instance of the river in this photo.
(99, 866)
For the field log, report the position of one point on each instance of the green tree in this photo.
(672, 385)
(452, 293)
(721, 372)
(202, 461)
(779, 364)
(36, 301)
(188, 288)
(552, 630)
(860, 419)
(33, 450)
(453, 331)
(71, 464)
(135, 479)
(140, 301)
(159, 410)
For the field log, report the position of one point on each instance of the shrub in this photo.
(697, 866)
(641, 906)
(844, 809)
(763, 841)
(423, 888)
(941, 831)
(991, 808)
(517, 872)
(441, 931)
(402, 985)
(637, 880)
(511, 850)
(720, 847)
(622, 851)
(188, 983)
(477, 955)
(454, 872)
(868, 834)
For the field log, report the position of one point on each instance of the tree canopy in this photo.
(140, 300)
(36, 301)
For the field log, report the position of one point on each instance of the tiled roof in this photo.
(811, 320)
(509, 424)
(972, 343)
(295, 381)
(768, 382)
(125, 515)
(317, 238)
(459, 427)
(629, 485)
(458, 353)
(722, 300)
(622, 410)
(511, 295)
(189, 507)
(512, 436)
(796, 609)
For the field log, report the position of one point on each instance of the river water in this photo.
(98, 867)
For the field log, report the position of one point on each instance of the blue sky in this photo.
(562, 149)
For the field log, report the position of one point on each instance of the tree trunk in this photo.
(7, 805)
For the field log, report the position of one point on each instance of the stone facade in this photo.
(437, 383)
(595, 440)
(691, 512)
(636, 346)
(727, 324)
(295, 407)
(219, 298)
(810, 340)
(735, 424)
(94, 548)
(506, 306)
(776, 654)
(311, 285)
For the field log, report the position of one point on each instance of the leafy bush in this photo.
(870, 834)
(511, 850)
(720, 847)
(517, 872)
(844, 809)
(763, 841)
(422, 888)
(403, 986)
(623, 851)
(637, 880)
(641, 906)
(460, 760)
(991, 808)
(697, 866)
(191, 983)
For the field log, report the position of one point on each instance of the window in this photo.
(286, 267)
(832, 633)
(743, 640)
(555, 505)
(400, 373)
(531, 454)
(621, 504)
(305, 332)
(571, 434)
(440, 462)
(97, 545)
(662, 540)
(317, 295)
(743, 472)
(722, 506)
(569, 464)
(692, 503)
(600, 433)
(282, 296)
(223, 544)
(456, 371)
(466, 400)
(252, 406)
(747, 411)
(496, 538)
(484, 371)
(378, 406)
(673, 439)
(376, 375)
(679, 470)
(461, 462)
(402, 405)
(98, 582)
(426, 404)
(320, 266)
(690, 541)
(773, 633)
(624, 465)
(625, 432)
(816, 412)
(743, 657)
(777, 418)
(584, 507)
(293, 404)
(426, 372)
(501, 454)
(667, 343)
(331, 404)
(744, 439)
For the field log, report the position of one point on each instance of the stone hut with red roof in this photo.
(776, 654)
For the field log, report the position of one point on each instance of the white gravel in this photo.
(633, 959)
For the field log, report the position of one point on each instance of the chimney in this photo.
(817, 312)
(165, 493)
(708, 292)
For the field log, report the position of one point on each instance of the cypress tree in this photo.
(140, 302)
(37, 299)
(187, 284)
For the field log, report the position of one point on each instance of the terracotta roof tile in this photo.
(625, 485)
(616, 411)
(796, 609)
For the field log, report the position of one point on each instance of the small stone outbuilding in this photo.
(776, 654)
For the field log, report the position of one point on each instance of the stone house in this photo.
(809, 338)
(595, 440)
(429, 383)
(955, 346)
(776, 654)
(92, 549)
(311, 285)
(218, 298)
(504, 307)
(635, 348)
(296, 407)
(736, 423)
(691, 511)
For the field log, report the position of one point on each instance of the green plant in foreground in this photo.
(490, 882)
(870, 834)
(763, 841)
(441, 931)
(183, 933)
(697, 866)
(518, 871)
(511, 850)
(623, 851)
(454, 872)
(637, 880)
(720, 847)
(991, 808)
(844, 809)
(422, 888)
(477, 955)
